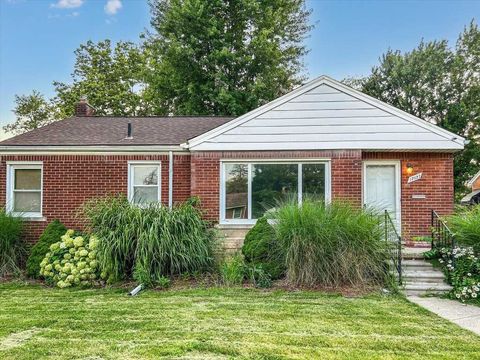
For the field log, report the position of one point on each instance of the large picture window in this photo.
(144, 183)
(24, 189)
(250, 189)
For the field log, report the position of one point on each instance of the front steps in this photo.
(419, 276)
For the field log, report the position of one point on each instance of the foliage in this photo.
(52, 234)
(154, 240)
(465, 224)
(331, 245)
(32, 111)
(71, 261)
(462, 267)
(234, 56)
(261, 248)
(438, 84)
(258, 276)
(232, 270)
(12, 246)
(110, 76)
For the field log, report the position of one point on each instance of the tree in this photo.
(224, 57)
(111, 77)
(438, 84)
(31, 111)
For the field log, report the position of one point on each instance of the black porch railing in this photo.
(395, 243)
(442, 236)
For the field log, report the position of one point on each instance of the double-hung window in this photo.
(249, 189)
(24, 189)
(144, 185)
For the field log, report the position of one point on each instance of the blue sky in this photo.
(38, 37)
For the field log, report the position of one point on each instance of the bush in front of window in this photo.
(261, 249)
(331, 244)
(52, 234)
(151, 240)
(71, 261)
(12, 246)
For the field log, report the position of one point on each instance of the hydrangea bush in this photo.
(463, 272)
(71, 261)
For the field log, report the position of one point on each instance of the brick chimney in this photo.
(83, 108)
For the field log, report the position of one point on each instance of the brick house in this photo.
(323, 139)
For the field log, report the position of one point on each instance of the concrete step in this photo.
(422, 264)
(422, 288)
(423, 276)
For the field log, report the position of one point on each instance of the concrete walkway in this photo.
(465, 316)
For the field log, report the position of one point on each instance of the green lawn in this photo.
(218, 323)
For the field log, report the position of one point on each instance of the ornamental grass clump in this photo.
(331, 245)
(152, 241)
(71, 261)
(12, 246)
(465, 224)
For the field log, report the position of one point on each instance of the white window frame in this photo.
(139, 163)
(22, 165)
(398, 185)
(250, 163)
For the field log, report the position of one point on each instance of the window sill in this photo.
(31, 218)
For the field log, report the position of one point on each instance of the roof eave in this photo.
(88, 149)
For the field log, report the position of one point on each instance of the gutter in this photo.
(94, 149)
(170, 179)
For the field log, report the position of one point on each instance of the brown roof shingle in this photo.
(105, 130)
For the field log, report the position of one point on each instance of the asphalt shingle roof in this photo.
(105, 130)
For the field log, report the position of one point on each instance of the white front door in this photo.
(382, 188)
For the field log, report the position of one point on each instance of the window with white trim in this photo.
(249, 189)
(24, 189)
(144, 182)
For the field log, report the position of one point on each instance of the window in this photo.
(24, 189)
(248, 190)
(144, 182)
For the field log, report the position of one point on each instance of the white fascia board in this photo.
(473, 179)
(80, 150)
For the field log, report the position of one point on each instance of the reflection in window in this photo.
(27, 191)
(145, 186)
(271, 184)
(313, 181)
(236, 191)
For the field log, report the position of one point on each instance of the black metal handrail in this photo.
(442, 236)
(395, 240)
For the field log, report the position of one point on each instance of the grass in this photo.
(220, 323)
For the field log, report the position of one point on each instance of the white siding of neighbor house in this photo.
(327, 116)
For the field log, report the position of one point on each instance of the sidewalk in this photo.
(465, 316)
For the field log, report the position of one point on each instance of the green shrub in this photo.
(52, 234)
(258, 277)
(12, 246)
(71, 261)
(158, 240)
(331, 245)
(261, 248)
(232, 270)
(465, 223)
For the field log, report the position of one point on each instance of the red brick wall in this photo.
(69, 180)
(205, 177)
(436, 184)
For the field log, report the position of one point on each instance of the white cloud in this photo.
(67, 4)
(112, 6)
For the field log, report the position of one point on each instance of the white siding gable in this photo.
(325, 114)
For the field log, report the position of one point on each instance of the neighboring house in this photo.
(474, 196)
(323, 139)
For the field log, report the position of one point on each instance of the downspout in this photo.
(170, 179)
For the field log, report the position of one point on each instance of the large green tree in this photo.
(224, 57)
(31, 111)
(110, 76)
(439, 84)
